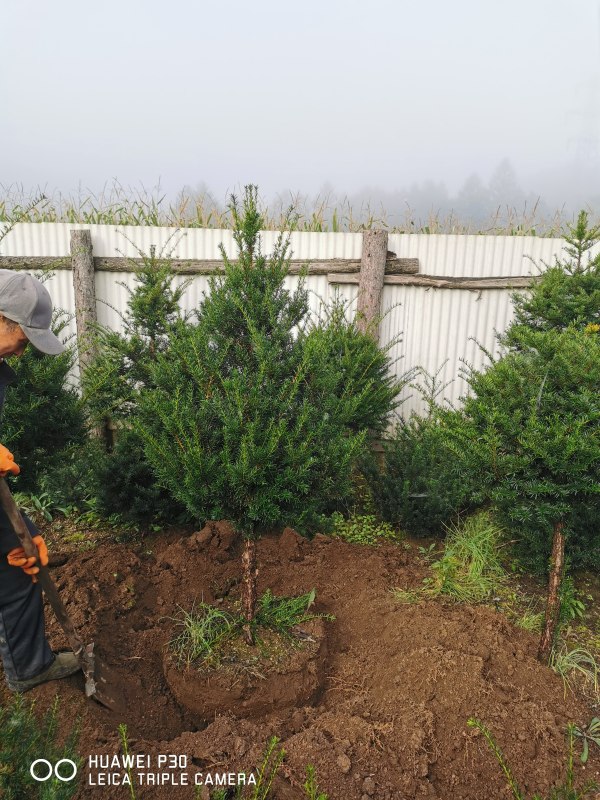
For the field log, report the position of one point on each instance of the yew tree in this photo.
(239, 422)
(536, 418)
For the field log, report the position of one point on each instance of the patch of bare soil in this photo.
(388, 718)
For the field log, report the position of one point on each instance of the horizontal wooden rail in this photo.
(435, 282)
(316, 266)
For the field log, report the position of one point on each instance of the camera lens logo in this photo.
(42, 770)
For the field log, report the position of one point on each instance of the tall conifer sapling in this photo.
(239, 424)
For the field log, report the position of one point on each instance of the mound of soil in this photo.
(258, 686)
(399, 685)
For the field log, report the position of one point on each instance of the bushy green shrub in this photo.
(536, 415)
(42, 413)
(123, 482)
(430, 473)
(363, 529)
(240, 423)
(72, 481)
(367, 390)
(122, 365)
(567, 293)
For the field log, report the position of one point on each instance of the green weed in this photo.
(202, 631)
(23, 739)
(469, 569)
(407, 596)
(205, 629)
(571, 607)
(125, 745)
(272, 760)
(363, 529)
(310, 785)
(284, 613)
(589, 733)
(578, 661)
(39, 505)
(428, 553)
(531, 621)
(565, 791)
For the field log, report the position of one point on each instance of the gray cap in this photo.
(24, 299)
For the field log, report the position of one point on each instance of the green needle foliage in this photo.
(240, 422)
(367, 391)
(567, 293)
(124, 482)
(125, 358)
(22, 740)
(535, 414)
(43, 415)
(431, 472)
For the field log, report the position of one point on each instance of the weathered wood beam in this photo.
(82, 258)
(316, 266)
(370, 286)
(434, 282)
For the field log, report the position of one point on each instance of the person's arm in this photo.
(17, 557)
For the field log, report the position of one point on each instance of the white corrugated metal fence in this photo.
(438, 326)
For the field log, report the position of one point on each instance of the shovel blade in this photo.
(100, 685)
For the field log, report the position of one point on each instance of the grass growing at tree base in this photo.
(469, 569)
(206, 629)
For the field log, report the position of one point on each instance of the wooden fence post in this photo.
(82, 260)
(370, 287)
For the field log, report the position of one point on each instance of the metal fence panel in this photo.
(437, 328)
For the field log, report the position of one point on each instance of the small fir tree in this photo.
(567, 293)
(536, 415)
(124, 358)
(240, 423)
(123, 481)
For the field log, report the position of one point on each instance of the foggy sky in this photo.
(367, 100)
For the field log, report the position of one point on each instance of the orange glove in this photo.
(7, 462)
(17, 558)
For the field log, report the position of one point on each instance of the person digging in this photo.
(25, 316)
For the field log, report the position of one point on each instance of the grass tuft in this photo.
(469, 570)
(579, 661)
(22, 740)
(205, 629)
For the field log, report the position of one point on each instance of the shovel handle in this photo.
(48, 585)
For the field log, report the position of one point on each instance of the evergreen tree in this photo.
(536, 416)
(123, 481)
(567, 293)
(239, 423)
(367, 390)
(122, 366)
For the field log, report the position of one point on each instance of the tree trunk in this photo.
(250, 574)
(557, 562)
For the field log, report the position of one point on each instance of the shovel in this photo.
(95, 673)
